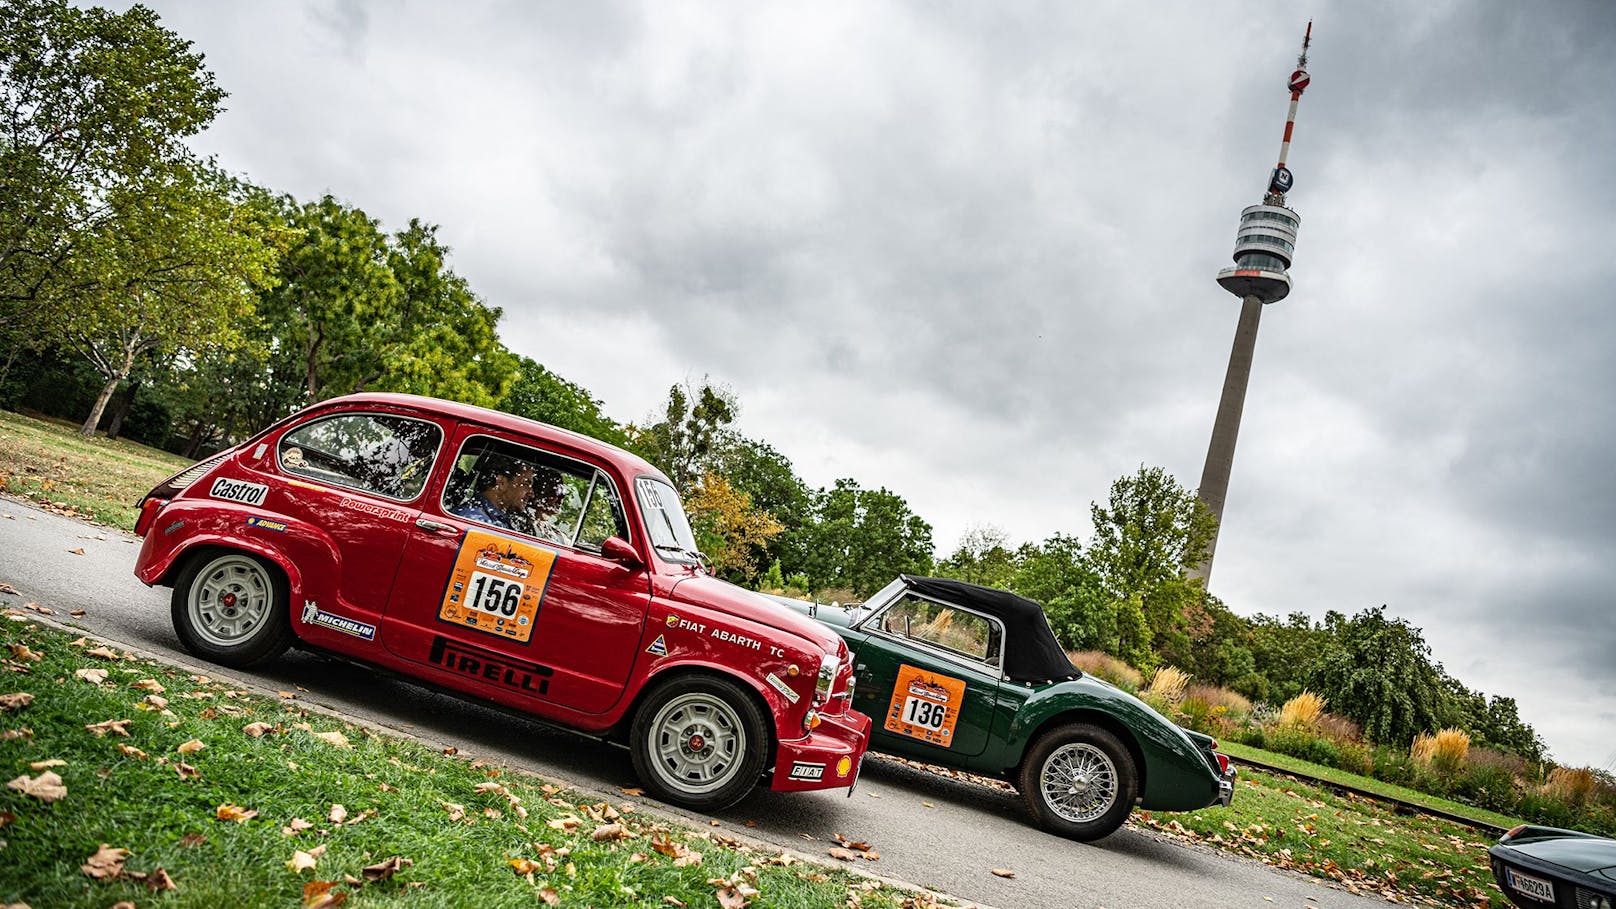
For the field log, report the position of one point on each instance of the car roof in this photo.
(1031, 653)
(628, 462)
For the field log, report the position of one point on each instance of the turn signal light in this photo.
(811, 721)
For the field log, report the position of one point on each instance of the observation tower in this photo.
(1263, 245)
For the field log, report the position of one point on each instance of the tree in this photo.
(1055, 574)
(684, 441)
(766, 476)
(539, 394)
(729, 529)
(93, 104)
(1378, 672)
(982, 557)
(861, 539)
(174, 264)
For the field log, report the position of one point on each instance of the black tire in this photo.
(231, 608)
(1079, 781)
(699, 741)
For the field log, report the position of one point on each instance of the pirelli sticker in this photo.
(497, 585)
(925, 705)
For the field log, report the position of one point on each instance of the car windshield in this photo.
(666, 522)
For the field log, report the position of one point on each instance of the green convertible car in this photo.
(972, 678)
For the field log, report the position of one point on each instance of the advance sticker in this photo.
(925, 706)
(497, 585)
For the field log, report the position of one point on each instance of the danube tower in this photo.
(1262, 252)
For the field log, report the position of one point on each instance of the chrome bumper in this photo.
(1226, 786)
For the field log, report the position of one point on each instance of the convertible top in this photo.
(1031, 653)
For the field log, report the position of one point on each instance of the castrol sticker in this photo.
(497, 585)
(925, 706)
(238, 491)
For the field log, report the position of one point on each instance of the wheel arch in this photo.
(204, 547)
(1092, 717)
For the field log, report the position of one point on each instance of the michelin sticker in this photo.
(313, 615)
(238, 491)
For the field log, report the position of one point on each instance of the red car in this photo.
(508, 560)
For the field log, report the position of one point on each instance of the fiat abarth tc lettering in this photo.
(508, 560)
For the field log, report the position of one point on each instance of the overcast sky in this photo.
(966, 251)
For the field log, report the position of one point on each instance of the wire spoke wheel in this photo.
(699, 741)
(1079, 782)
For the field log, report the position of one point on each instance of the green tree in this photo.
(1378, 672)
(683, 443)
(862, 538)
(1284, 652)
(730, 530)
(539, 394)
(982, 557)
(1055, 574)
(767, 478)
(173, 265)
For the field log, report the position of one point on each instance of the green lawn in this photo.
(46, 460)
(229, 816)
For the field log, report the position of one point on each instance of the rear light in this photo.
(1514, 831)
(148, 514)
(1223, 762)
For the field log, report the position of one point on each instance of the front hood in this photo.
(712, 593)
(835, 616)
(1588, 854)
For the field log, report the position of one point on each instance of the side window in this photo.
(379, 453)
(939, 625)
(533, 492)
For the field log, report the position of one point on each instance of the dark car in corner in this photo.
(1546, 866)
(972, 678)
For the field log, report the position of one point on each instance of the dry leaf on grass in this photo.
(118, 727)
(333, 738)
(456, 812)
(190, 840)
(228, 812)
(159, 881)
(151, 685)
(104, 652)
(21, 652)
(550, 897)
(191, 747)
(565, 824)
(318, 895)
(154, 702)
(609, 833)
(300, 862)
(257, 730)
(674, 901)
(46, 765)
(132, 751)
(106, 864)
(338, 814)
(1004, 872)
(93, 676)
(15, 701)
(187, 772)
(298, 825)
(381, 871)
(47, 787)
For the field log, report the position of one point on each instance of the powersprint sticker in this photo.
(785, 690)
(925, 705)
(497, 585)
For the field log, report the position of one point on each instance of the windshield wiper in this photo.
(680, 550)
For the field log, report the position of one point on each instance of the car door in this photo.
(513, 595)
(357, 476)
(928, 676)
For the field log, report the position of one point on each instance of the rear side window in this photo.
(533, 492)
(387, 455)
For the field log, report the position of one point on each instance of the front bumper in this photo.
(827, 758)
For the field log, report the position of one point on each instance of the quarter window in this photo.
(377, 453)
(940, 625)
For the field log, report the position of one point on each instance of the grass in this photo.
(1367, 784)
(1357, 842)
(401, 798)
(46, 460)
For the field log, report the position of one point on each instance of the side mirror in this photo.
(618, 550)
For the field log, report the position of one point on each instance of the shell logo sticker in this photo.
(844, 766)
(925, 706)
(497, 585)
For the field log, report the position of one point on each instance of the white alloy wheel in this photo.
(230, 598)
(698, 742)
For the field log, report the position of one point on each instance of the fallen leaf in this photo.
(550, 897)
(15, 701)
(338, 814)
(132, 751)
(674, 901)
(21, 652)
(524, 866)
(257, 730)
(191, 747)
(300, 862)
(42, 610)
(93, 676)
(634, 791)
(151, 685)
(187, 772)
(7, 588)
(46, 765)
(333, 738)
(361, 817)
(381, 871)
(191, 840)
(158, 881)
(1003, 872)
(228, 812)
(115, 726)
(298, 825)
(9, 734)
(456, 812)
(609, 833)
(318, 895)
(104, 652)
(78, 613)
(153, 702)
(729, 898)
(78, 551)
(106, 864)
(47, 787)
(566, 824)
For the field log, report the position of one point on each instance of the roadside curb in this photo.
(698, 824)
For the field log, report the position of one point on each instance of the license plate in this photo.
(1534, 887)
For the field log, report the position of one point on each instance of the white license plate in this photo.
(1534, 887)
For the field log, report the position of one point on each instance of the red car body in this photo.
(377, 576)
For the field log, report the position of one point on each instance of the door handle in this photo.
(432, 526)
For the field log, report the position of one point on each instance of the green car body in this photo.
(1008, 706)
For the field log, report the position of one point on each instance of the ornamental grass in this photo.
(1168, 684)
(1302, 711)
(1103, 665)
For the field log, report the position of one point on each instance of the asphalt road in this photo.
(930, 830)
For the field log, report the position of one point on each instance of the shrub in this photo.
(1301, 711)
(1489, 785)
(1337, 729)
(1168, 684)
(1393, 765)
(1354, 757)
(1234, 705)
(1104, 665)
(1299, 743)
(1198, 715)
(1252, 736)
(1253, 685)
(1443, 754)
(1573, 786)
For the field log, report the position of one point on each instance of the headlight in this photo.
(828, 665)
